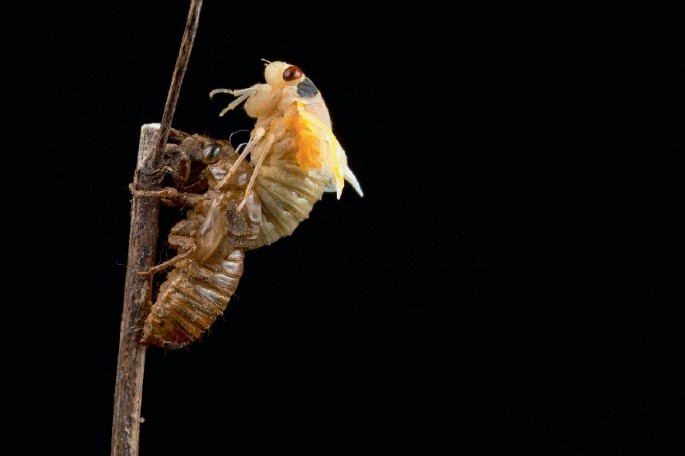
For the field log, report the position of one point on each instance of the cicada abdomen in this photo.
(296, 156)
(210, 243)
(287, 194)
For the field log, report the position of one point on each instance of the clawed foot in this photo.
(241, 94)
(166, 264)
(167, 192)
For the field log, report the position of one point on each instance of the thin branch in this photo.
(154, 161)
(141, 251)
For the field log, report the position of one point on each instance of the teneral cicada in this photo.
(295, 154)
(210, 243)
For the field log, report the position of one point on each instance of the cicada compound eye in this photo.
(210, 154)
(292, 73)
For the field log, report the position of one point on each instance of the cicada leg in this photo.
(168, 263)
(265, 146)
(254, 140)
(169, 195)
(242, 94)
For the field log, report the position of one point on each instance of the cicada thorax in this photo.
(210, 244)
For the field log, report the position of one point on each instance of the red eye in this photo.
(291, 73)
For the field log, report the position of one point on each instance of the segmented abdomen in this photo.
(191, 299)
(287, 194)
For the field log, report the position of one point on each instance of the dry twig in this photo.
(141, 250)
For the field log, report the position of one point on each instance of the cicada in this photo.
(295, 155)
(210, 243)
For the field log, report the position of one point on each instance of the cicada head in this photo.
(280, 75)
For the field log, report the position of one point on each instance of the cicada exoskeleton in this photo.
(210, 241)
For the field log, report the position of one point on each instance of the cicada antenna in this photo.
(237, 131)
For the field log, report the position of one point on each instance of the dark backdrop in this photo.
(495, 290)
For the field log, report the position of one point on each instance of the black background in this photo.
(498, 288)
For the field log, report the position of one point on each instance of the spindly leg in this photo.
(170, 194)
(242, 95)
(168, 263)
(254, 140)
(265, 147)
